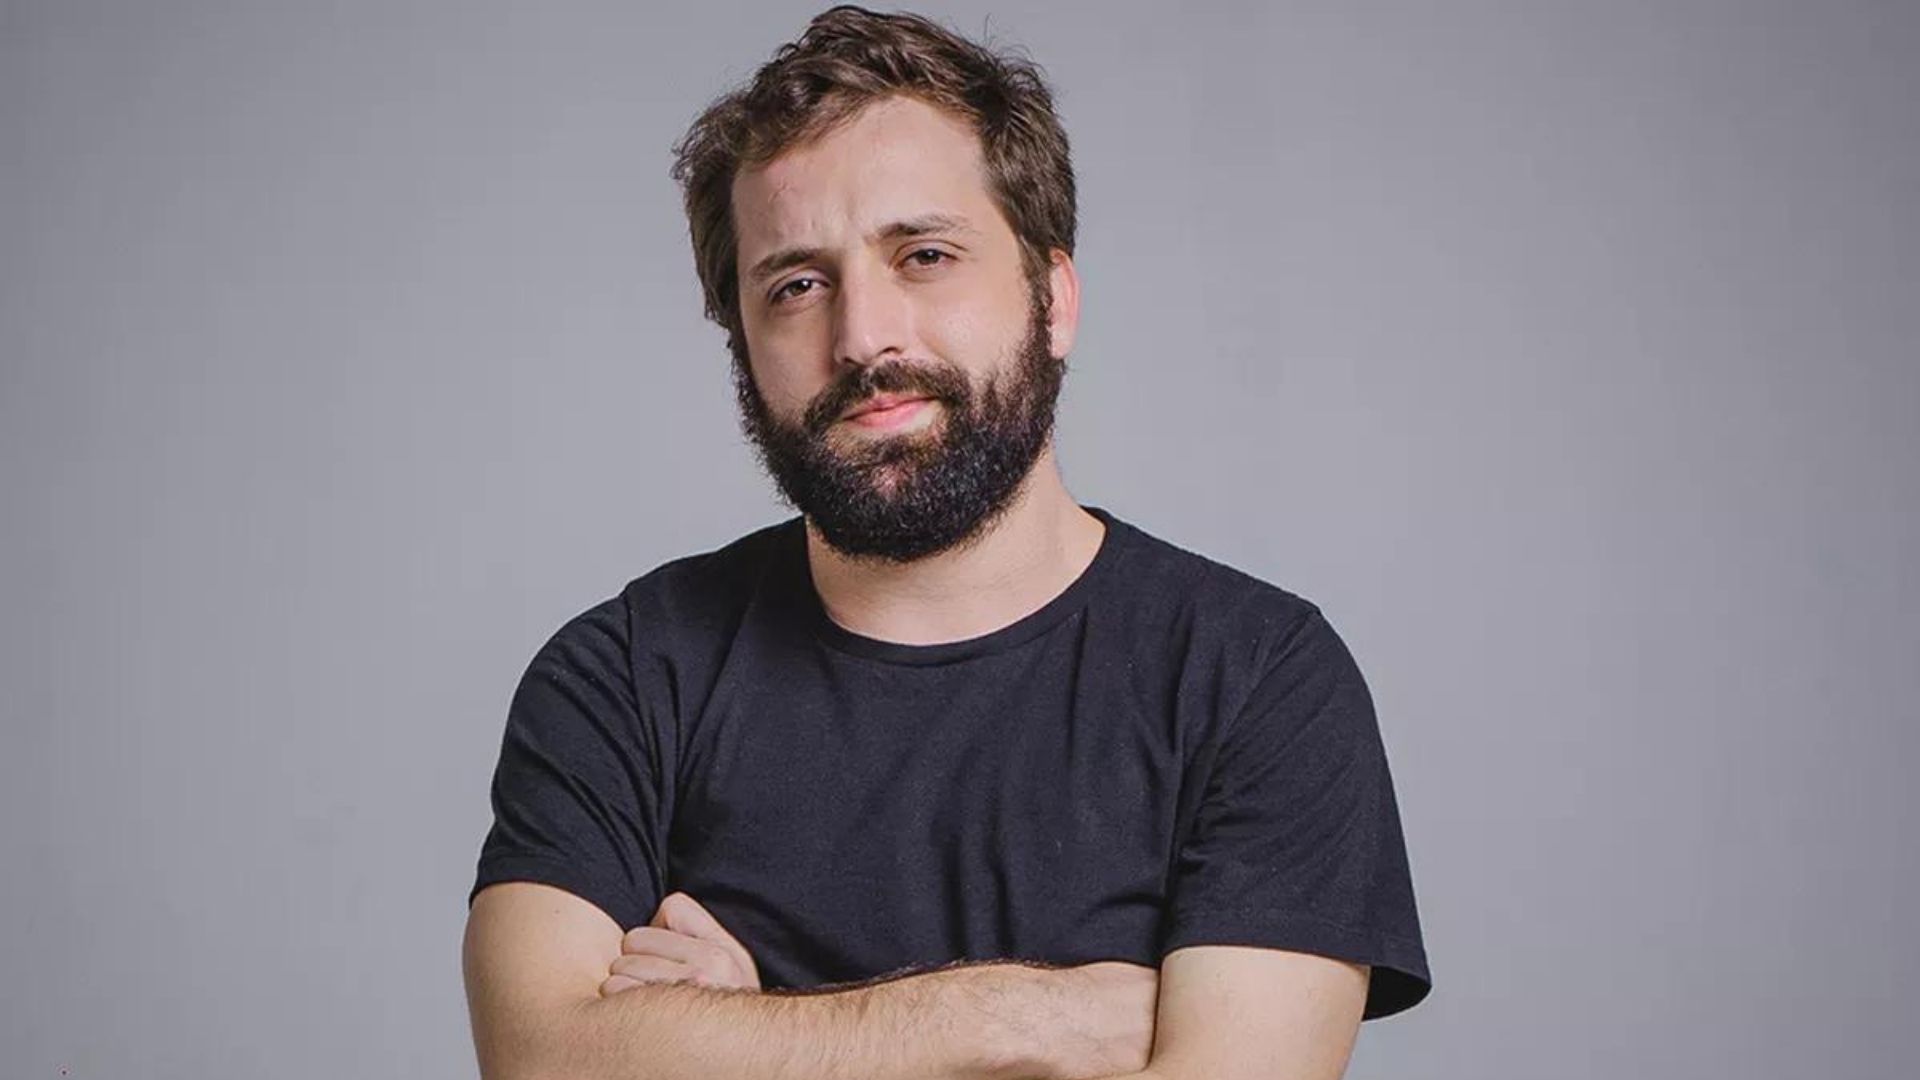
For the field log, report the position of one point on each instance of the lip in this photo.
(881, 402)
(889, 412)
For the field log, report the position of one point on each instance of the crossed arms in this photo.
(547, 1001)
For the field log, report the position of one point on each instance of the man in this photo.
(948, 776)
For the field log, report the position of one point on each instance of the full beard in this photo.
(903, 497)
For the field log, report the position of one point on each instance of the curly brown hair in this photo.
(848, 58)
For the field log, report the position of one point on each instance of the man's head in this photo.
(887, 212)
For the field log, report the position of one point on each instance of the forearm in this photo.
(964, 1023)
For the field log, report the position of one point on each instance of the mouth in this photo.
(887, 410)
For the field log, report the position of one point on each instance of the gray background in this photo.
(1565, 354)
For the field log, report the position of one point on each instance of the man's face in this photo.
(874, 268)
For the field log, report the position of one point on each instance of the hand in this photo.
(683, 943)
(1103, 1024)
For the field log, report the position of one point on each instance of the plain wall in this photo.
(1564, 353)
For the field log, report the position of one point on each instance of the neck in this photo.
(1027, 557)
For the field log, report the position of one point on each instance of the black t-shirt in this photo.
(1170, 752)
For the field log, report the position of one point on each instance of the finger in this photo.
(653, 941)
(682, 913)
(710, 961)
(651, 969)
(614, 984)
(716, 970)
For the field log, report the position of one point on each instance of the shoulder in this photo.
(1250, 619)
(687, 598)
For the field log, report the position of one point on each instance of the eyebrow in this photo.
(920, 225)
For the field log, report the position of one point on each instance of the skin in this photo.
(860, 297)
(865, 298)
(534, 955)
(1224, 1012)
(682, 943)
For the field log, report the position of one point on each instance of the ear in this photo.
(1063, 321)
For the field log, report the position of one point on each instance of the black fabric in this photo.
(1168, 753)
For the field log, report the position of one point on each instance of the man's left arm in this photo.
(1291, 915)
(1232, 1012)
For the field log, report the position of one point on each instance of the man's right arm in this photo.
(534, 958)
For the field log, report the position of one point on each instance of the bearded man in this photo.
(949, 775)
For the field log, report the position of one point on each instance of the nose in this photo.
(871, 318)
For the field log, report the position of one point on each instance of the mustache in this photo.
(943, 382)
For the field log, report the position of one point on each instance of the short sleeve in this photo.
(1296, 841)
(576, 791)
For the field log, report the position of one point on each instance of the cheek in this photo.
(786, 383)
(778, 389)
(978, 337)
(961, 329)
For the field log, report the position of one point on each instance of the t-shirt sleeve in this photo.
(1296, 841)
(576, 792)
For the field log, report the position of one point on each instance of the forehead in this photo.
(898, 158)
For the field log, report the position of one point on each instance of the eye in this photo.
(781, 294)
(917, 260)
